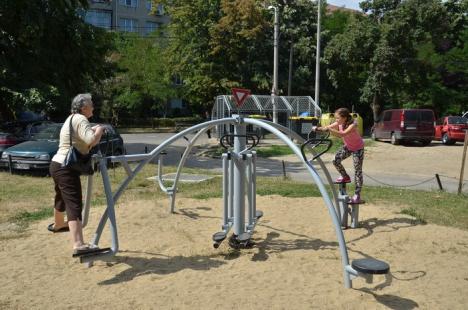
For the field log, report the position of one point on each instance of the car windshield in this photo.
(427, 116)
(457, 120)
(49, 133)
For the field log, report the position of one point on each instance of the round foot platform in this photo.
(219, 236)
(370, 266)
(241, 242)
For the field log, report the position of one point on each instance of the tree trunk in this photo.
(376, 107)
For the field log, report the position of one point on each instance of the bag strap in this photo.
(71, 129)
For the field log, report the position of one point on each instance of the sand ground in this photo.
(167, 262)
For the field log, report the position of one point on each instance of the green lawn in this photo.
(282, 149)
(28, 198)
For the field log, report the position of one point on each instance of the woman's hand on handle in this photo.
(98, 131)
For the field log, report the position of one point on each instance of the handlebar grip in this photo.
(317, 142)
(225, 139)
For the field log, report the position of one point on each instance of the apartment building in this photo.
(137, 16)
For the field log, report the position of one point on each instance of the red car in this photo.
(451, 129)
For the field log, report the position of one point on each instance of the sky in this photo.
(350, 4)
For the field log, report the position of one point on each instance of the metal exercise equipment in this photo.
(239, 169)
(348, 207)
(239, 164)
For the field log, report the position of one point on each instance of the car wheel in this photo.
(446, 139)
(394, 140)
(426, 142)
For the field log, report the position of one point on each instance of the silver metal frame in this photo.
(234, 204)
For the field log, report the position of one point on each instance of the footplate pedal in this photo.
(218, 238)
(242, 241)
(258, 214)
(91, 252)
(85, 258)
(370, 266)
(360, 202)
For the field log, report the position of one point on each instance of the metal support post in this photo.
(239, 179)
(225, 191)
(250, 195)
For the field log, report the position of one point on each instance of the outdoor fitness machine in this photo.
(348, 207)
(239, 169)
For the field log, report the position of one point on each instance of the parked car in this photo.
(14, 133)
(405, 125)
(37, 153)
(451, 129)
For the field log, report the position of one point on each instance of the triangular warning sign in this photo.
(240, 95)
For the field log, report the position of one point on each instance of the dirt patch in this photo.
(167, 262)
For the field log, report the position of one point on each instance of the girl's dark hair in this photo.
(343, 112)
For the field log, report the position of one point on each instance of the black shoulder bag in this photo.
(77, 161)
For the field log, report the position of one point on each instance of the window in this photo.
(149, 5)
(176, 103)
(177, 79)
(99, 18)
(129, 3)
(151, 27)
(160, 10)
(128, 25)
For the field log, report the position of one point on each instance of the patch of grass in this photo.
(274, 150)
(26, 216)
(412, 212)
(28, 198)
(434, 207)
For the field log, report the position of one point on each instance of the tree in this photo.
(216, 45)
(47, 55)
(142, 83)
(188, 49)
(298, 28)
(386, 66)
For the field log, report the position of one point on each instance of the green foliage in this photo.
(143, 83)
(48, 55)
(298, 28)
(404, 60)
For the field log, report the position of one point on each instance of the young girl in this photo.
(346, 128)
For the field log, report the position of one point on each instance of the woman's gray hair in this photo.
(80, 101)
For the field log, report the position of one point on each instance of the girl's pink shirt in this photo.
(353, 139)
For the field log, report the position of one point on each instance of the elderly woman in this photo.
(68, 194)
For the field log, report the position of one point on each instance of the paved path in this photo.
(139, 143)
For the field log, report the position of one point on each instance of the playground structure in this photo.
(239, 165)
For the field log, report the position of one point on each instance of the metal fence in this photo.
(288, 109)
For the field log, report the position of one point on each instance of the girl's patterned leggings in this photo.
(358, 158)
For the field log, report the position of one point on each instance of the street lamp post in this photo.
(274, 89)
(317, 58)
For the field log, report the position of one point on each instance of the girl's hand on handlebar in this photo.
(321, 129)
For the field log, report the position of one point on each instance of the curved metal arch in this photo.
(323, 191)
(283, 129)
(112, 198)
(276, 129)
